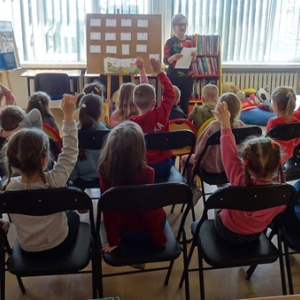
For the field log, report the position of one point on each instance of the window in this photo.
(54, 30)
(250, 30)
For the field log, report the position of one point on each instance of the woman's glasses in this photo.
(182, 24)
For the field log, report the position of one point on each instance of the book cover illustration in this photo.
(117, 65)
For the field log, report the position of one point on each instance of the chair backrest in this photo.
(43, 202)
(169, 140)
(144, 197)
(92, 140)
(53, 134)
(204, 125)
(179, 124)
(252, 198)
(284, 132)
(54, 84)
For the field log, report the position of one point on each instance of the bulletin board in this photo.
(122, 36)
(7, 40)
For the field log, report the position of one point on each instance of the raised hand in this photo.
(155, 65)
(68, 104)
(222, 113)
(139, 63)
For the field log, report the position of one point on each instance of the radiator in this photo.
(268, 80)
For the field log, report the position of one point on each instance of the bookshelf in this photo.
(207, 68)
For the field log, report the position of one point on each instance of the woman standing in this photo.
(182, 78)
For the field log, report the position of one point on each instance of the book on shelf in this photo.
(206, 44)
(118, 65)
(8, 61)
(206, 65)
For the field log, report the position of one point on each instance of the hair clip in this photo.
(84, 93)
(83, 105)
(40, 101)
(288, 95)
(246, 162)
(272, 143)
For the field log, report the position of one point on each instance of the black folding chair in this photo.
(142, 198)
(219, 253)
(89, 140)
(54, 84)
(240, 135)
(286, 132)
(44, 202)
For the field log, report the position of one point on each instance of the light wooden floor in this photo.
(220, 284)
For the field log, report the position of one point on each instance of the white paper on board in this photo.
(185, 61)
(142, 23)
(125, 49)
(111, 49)
(111, 22)
(95, 49)
(110, 36)
(126, 23)
(142, 36)
(95, 36)
(95, 22)
(155, 56)
(125, 36)
(141, 48)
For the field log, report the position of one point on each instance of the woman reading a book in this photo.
(182, 78)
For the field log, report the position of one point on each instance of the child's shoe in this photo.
(197, 194)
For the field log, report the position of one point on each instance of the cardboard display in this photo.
(122, 36)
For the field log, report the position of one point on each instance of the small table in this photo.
(73, 74)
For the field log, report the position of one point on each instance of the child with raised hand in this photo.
(125, 107)
(90, 108)
(200, 114)
(123, 162)
(260, 164)
(155, 119)
(6, 93)
(284, 103)
(28, 152)
(41, 101)
(211, 161)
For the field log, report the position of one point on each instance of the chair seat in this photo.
(174, 176)
(73, 260)
(292, 169)
(214, 178)
(221, 254)
(129, 253)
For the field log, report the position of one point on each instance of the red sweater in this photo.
(157, 120)
(134, 221)
(240, 221)
(287, 147)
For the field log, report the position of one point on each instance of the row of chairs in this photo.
(87, 248)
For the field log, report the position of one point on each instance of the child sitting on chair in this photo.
(86, 168)
(200, 114)
(176, 112)
(123, 162)
(155, 119)
(6, 93)
(260, 164)
(41, 101)
(125, 107)
(28, 152)
(284, 103)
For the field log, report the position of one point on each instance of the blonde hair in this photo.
(177, 94)
(125, 106)
(40, 101)
(285, 99)
(143, 95)
(176, 18)
(210, 93)
(25, 152)
(124, 154)
(261, 158)
(11, 116)
(234, 105)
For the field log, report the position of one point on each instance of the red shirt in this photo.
(134, 221)
(157, 120)
(287, 147)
